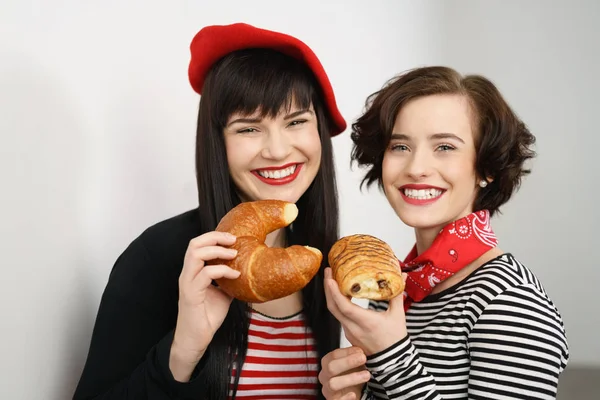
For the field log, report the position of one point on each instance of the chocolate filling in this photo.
(355, 288)
(382, 284)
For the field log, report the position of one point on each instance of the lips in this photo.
(280, 175)
(421, 194)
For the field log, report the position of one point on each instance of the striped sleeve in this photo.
(518, 347)
(397, 373)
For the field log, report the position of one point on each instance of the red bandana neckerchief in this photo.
(456, 246)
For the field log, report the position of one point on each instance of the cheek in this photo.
(310, 145)
(461, 174)
(389, 169)
(232, 154)
(239, 156)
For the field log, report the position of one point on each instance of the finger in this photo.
(344, 365)
(211, 239)
(341, 307)
(342, 382)
(331, 305)
(344, 305)
(213, 272)
(196, 258)
(396, 304)
(396, 307)
(342, 352)
(350, 396)
(214, 252)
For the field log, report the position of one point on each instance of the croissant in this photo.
(266, 273)
(365, 267)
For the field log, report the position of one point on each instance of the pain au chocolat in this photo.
(365, 267)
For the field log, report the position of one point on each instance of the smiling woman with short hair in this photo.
(474, 322)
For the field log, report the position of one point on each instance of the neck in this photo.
(466, 271)
(283, 307)
(425, 238)
(276, 238)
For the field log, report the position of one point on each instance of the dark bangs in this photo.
(259, 80)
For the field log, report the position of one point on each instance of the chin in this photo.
(420, 219)
(291, 196)
(422, 223)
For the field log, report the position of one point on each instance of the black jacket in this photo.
(129, 351)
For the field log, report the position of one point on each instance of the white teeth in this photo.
(422, 194)
(278, 174)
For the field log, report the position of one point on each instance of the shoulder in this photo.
(510, 291)
(505, 284)
(509, 269)
(155, 258)
(520, 315)
(171, 236)
(498, 282)
(499, 275)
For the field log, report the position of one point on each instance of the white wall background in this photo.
(97, 124)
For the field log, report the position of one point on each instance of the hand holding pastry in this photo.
(372, 331)
(366, 267)
(265, 273)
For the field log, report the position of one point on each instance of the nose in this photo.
(277, 146)
(419, 165)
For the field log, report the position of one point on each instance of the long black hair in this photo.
(266, 81)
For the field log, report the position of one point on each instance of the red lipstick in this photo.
(420, 202)
(278, 181)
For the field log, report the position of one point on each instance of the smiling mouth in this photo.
(422, 194)
(278, 173)
(278, 176)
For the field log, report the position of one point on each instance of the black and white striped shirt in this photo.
(495, 335)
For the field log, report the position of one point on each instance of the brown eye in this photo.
(446, 147)
(247, 130)
(399, 147)
(297, 122)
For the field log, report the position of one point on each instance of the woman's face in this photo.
(273, 158)
(428, 170)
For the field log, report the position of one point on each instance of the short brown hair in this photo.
(502, 141)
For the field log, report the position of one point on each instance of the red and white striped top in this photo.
(281, 362)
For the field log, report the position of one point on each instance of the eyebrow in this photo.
(247, 120)
(297, 113)
(435, 136)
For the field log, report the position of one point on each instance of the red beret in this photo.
(213, 42)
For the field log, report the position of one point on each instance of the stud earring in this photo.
(483, 183)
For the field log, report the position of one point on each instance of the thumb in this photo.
(396, 304)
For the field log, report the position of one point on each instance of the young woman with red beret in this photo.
(474, 322)
(163, 331)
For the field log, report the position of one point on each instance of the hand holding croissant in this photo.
(265, 273)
